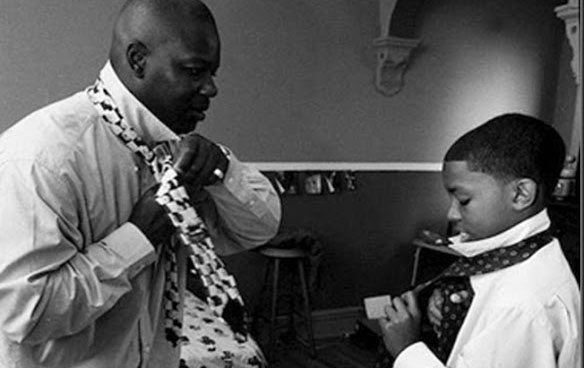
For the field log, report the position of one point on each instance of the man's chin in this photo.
(188, 125)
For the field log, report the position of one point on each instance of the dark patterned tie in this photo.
(457, 293)
(221, 290)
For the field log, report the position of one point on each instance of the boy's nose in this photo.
(453, 214)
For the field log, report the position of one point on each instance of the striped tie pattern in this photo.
(222, 294)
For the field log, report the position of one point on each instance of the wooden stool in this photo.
(275, 256)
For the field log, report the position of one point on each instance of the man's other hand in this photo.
(148, 216)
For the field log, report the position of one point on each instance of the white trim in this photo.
(350, 166)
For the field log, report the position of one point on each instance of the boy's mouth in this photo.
(464, 236)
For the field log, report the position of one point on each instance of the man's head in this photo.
(166, 52)
(501, 173)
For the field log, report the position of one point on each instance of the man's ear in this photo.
(137, 55)
(524, 193)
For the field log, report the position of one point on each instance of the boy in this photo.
(511, 301)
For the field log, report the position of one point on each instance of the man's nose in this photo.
(209, 88)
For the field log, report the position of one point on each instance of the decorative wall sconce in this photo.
(393, 53)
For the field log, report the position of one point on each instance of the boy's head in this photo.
(500, 173)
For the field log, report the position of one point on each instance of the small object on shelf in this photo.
(566, 187)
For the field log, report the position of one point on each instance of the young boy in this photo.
(511, 301)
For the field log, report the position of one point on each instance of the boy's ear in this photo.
(136, 55)
(524, 193)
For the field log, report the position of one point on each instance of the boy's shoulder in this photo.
(531, 284)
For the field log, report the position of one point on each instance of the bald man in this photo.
(81, 266)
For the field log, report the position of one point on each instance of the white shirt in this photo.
(524, 316)
(79, 285)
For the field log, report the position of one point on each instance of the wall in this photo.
(365, 234)
(296, 84)
(302, 71)
(296, 77)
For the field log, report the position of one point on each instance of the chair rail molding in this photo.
(393, 53)
(570, 14)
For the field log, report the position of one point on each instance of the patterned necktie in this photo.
(222, 294)
(457, 293)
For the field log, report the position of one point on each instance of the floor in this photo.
(331, 353)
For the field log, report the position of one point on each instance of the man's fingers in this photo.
(188, 152)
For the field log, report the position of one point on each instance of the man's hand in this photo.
(401, 327)
(151, 219)
(200, 162)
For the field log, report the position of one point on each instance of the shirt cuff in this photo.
(236, 184)
(417, 355)
(131, 247)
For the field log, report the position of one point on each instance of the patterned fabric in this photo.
(211, 343)
(454, 284)
(222, 294)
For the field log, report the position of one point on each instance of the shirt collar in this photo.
(146, 125)
(523, 230)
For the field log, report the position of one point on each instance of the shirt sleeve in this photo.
(417, 355)
(245, 211)
(53, 283)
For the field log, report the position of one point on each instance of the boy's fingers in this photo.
(400, 306)
(412, 303)
(390, 312)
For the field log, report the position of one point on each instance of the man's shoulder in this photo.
(52, 129)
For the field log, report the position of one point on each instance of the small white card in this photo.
(374, 306)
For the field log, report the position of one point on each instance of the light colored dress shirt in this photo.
(524, 316)
(80, 286)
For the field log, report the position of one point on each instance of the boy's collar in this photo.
(524, 229)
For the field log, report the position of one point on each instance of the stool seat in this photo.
(277, 252)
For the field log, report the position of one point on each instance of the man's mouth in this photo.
(197, 114)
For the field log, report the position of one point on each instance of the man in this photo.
(82, 265)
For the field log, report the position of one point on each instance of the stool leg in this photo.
(257, 315)
(307, 313)
(273, 315)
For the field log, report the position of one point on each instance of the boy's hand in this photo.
(435, 308)
(401, 327)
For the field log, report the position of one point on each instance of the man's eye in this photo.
(196, 72)
(464, 202)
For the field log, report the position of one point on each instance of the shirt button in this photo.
(455, 298)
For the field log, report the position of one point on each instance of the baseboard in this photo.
(329, 323)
